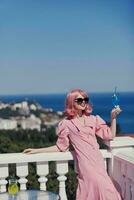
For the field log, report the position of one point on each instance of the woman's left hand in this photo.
(115, 111)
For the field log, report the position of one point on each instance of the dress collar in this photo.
(89, 123)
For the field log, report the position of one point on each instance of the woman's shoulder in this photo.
(96, 119)
(91, 117)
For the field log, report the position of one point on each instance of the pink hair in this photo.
(70, 110)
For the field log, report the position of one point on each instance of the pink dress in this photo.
(93, 180)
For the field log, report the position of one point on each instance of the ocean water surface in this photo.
(102, 105)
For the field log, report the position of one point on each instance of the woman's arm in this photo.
(62, 143)
(42, 150)
(114, 114)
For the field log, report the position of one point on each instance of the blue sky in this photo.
(52, 46)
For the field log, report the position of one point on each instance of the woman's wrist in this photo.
(113, 118)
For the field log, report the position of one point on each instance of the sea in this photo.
(102, 105)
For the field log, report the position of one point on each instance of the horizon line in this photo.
(60, 93)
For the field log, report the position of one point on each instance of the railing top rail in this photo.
(10, 158)
(126, 156)
(120, 142)
(39, 157)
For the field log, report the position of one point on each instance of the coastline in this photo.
(102, 105)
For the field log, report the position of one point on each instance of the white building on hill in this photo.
(8, 124)
(31, 123)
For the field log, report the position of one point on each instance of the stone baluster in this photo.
(4, 172)
(42, 170)
(22, 172)
(62, 169)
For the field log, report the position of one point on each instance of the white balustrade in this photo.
(42, 167)
(118, 159)
(124, 164)
(118, 144)
(121, 165)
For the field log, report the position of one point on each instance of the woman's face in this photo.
(80, 102)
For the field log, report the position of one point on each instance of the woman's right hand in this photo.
(30, 151)
(115, 112)
(53, 148)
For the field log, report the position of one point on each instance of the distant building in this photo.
(59, 113)
(31, 123)
(22, 107)
(16, 106)
(33, 107)
(51, 123)
(23, 118)
(3, 105)
(8, 124)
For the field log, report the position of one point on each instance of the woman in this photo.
(79, 129)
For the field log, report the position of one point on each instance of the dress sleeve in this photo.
(102, 129)
(63, 140)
